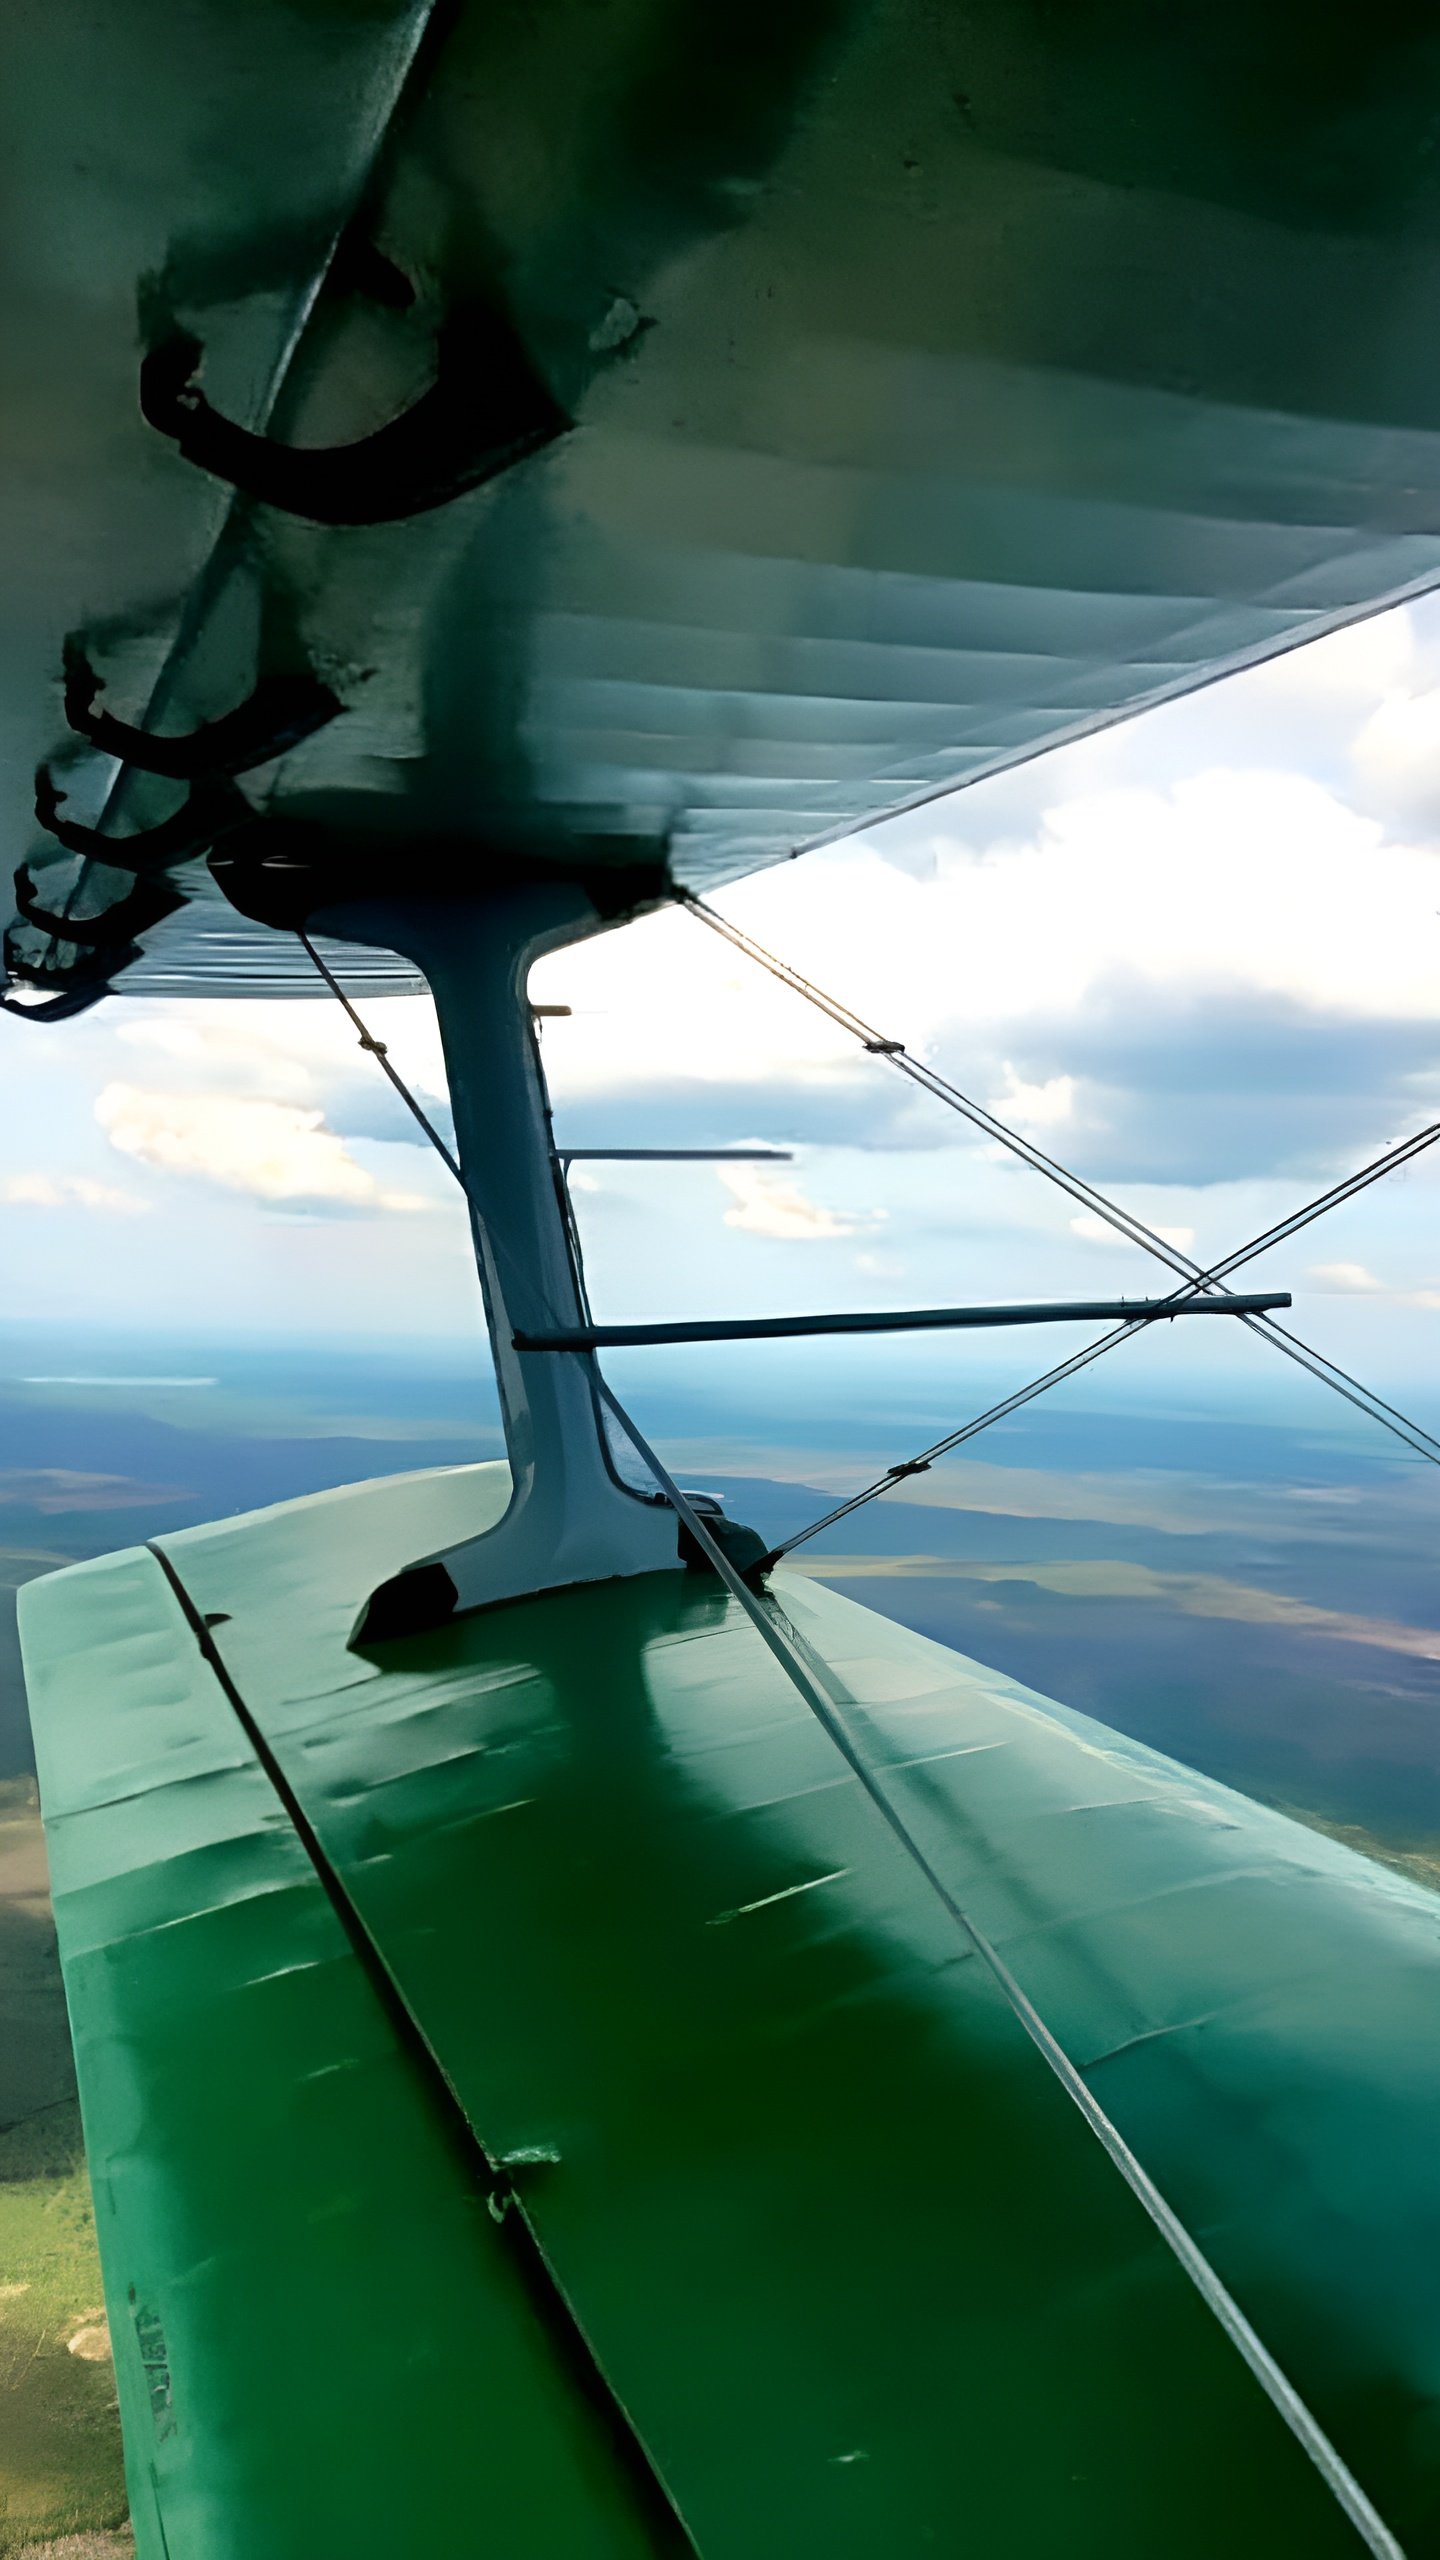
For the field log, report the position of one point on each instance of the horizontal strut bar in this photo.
(673, 1155)
(626, 1337)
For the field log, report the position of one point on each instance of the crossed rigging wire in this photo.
(1134, 1229)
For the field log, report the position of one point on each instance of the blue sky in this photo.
(1197, 957)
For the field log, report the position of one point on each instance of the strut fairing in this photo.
(856, 399)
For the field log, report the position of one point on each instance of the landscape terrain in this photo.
(1256, 1598)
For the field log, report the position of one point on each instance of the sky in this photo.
(1197, 957)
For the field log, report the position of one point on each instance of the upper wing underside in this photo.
(813, 409)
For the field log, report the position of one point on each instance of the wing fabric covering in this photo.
(321, 2346)
(945, 382)
(843, 2252)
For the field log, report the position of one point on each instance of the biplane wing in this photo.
(534, 2106)
(781, 415)
(554, 2081)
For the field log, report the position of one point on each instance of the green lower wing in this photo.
(323, 2342)
(824, 2259)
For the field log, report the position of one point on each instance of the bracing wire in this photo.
(1123, 1220)
(381, 1054)
(924, 1459)
(1326, 1371)
(807, 1674)
(782, 1641)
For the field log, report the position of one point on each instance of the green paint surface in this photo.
(841, 2249)
(60, 2467)
(321, 2343)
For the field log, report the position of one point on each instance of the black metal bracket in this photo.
(290, 867)
(486, 409)
(411, 1603)
(282, 710)
(212, 809)
(664, 1155)
(745, 1548)
(58, 1008)
(89, 969)
(146, 904)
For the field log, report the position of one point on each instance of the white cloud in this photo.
(1254, 882)
(70, 1190)
(1345, 1279)
(667, 999)
(780, 1210)
(204, 1042)
(1352, 1280)
(1397, 754)
(291, 1052)
(1033, 1106)
(1239, 884)
(1360, 664)
(274, 1150)
(1093, 1230)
